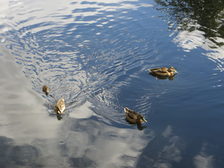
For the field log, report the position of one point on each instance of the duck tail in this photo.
(126, 109)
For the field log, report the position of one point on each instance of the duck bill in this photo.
(175, 71)
(144, 120)
(126, 110)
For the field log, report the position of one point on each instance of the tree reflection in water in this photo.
(203, 15)
(193, 24)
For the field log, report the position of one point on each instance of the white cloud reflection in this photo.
(106, 146)
(165, 150)
(172, 151)
(82, 111)
(23, 117)
(25, 120)
(4, 10)
(4, 6)
(203, 160)
(189, 40)
(50, 13)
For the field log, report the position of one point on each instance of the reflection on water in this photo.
(163, 151)
(31, 138)
(103, 145)
(198, 24)
(66, 45)
(96, 54)
(22, 110)
(197, 27)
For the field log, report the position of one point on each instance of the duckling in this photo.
(46, 90)
(133, 117)
(163, 72)
(60, 106)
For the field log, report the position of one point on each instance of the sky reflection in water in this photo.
(95, 54)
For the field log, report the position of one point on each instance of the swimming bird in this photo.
(163, 72)
(60, 106)
(46, 89)
(133, 117)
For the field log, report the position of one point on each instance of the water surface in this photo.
(96, 54)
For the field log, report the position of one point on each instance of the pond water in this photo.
(95, 54)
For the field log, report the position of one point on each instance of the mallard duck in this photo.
(163, 72)
(60, 106)
(133, 117)
(46, 90)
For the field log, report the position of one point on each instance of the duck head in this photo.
(46, 90)
(172, 69)
(140, 119)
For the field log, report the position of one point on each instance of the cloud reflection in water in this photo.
(106, 146)
(197, 24)
(40, 139)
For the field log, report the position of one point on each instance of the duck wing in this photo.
(161, 70)
(130, 113)
(60, 106)
(155, 69)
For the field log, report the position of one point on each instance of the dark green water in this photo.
(96, 54)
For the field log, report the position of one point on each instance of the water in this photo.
(96, 54)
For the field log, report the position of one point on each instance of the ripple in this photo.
(80, 49)
(192, 31)
(95, 54)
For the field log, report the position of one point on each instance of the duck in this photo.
(133, 117)
(60, 106)
(46, 90)
(163, 72)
